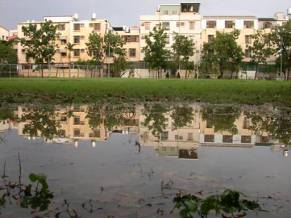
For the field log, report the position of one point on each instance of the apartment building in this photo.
(181, 18)
(4, 33)
(70, 29)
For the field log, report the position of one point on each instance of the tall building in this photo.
(181, 18)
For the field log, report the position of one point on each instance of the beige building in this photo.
(70, 29)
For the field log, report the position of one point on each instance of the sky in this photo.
(126, 12)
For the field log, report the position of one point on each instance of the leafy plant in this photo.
(40, 197)
(229, 204)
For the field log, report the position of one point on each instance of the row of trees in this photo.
(220, 55)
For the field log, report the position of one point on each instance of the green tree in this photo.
(182, 116)
(39, 42)
(70, 48)
(281, 40)
(222, 53)
(183, 49)
(95, 47)
(156, 55)
(113, 48)
(260, 50)
(8, 55)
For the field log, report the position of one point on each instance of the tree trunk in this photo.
(256, 73)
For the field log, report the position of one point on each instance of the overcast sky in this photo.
(127, 12)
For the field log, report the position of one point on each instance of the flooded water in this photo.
(121, 160)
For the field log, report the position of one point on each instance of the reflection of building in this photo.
(77, 123)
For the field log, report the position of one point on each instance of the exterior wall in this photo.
(4, 33)
(67, 34)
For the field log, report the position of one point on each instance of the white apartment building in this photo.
(181, 18)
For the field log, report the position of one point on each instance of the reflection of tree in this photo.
(43, 121)
(6, 113)
(110, 115)
(278, 124)
(182, 116)
(222, 118)
(155, 118)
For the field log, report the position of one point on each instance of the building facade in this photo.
(4, 33)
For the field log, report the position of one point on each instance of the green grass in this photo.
(91, 90)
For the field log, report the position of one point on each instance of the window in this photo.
(209, 138)
(147, 25)
(249, 24)
(229, 24)
(77, 132)
(165, 12)
(211, 24)
(77, 39)
(267, 25)
(166, 25)
(210, 38)
(77, 120)
(190, 136)
(246, 139)
(95, 26)
(77, 27)
(164, 136)
(209, 124)
(76, 52)
(180, 24)
(227, 139)
(248, 52)
(132, 52)
(132, 38)
(61, 27)
(191, 25)
(63, 54)
(248, 39)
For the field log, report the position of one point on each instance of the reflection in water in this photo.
(173, 130)
(126, 169)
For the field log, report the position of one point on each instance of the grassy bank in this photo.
(91, 90)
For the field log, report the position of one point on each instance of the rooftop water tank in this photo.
(76, 16)
(94, 16)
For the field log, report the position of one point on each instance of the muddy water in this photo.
(131, 160)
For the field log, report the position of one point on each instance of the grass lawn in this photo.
(20, 90)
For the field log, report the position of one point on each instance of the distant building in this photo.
(4, 33)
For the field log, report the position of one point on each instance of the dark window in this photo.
(246, 139)
(209, 138)
(63, 54)
(131, 38)
(227, 139)
(132, 52)
(267, 25)
(191, 25)
(95, 134)
(164, 136)
(166, 25)
(95, 26)
(77, 132)
(248, 53)
(76, 52)
(190, 136)
(77, 120)
(246, 124)
(77, 39)
(229, 24)
(211, 24)
(249, 24)
(248, 39)
(77, 27)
